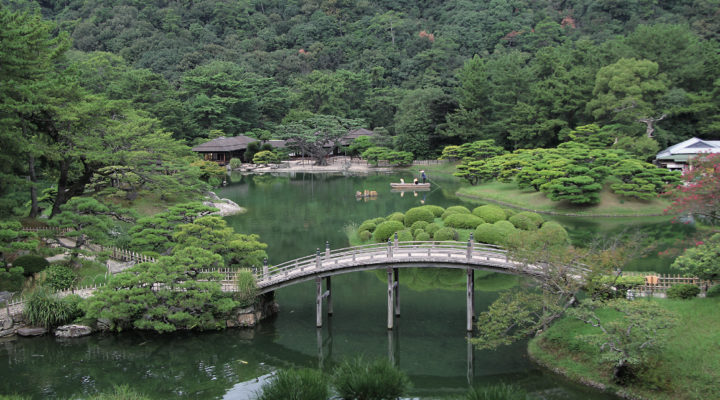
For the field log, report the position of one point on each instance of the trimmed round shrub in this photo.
(422, 236)
(365, 235)
(418, 225)
(431, 228)
(445, 233)
(455, 210)
(59, 277)
(436, 210)
(509, 212)
(418, 214)
(11, 280)
(496, 233)
(31, 264)
(301, 384)
(527, 220)
(359, 379)
(386, 229)
(490, 213)
(396, 216)
(378, 220)
(714, 291)
(553, 233)
(367, 226)
(463, 221)
(405, 235)
(683, 291)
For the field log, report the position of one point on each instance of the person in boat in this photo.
(423, 176)
(415, 181)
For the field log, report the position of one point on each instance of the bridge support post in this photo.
(328, 289)
(470, 360)
(390, 292)
(470, 298)
(318, 302)
(396, 287)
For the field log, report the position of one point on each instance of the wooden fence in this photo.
(45, 228)
(662, 282)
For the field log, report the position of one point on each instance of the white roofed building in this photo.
(678, 157)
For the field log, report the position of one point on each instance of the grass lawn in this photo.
(610, 204)
(688, 367)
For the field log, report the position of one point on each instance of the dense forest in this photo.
(422, 74)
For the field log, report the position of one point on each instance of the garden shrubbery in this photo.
(11, 280)
(418, 214)
(496, 233)
(386, 229)
(714, 291)
(436, 210)
(463, 221)
(683, 291)
(455, 210)
(527, 220)
(45, 309)
(445, 233)
(59, 277)
(396, 216)
(490, 213)
(31, 264)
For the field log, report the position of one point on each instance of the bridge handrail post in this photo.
(396, 240)
(266, 270)
(389, 249)
(327, 248)
(470, 246)
(318, 262)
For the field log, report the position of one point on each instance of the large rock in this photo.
(73, 331)
(5, 296)
(29, 332)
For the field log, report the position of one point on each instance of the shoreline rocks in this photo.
(72, 331)
(226, 207)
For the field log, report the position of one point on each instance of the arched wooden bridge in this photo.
(451, 254)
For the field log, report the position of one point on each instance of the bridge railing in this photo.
(330, 259)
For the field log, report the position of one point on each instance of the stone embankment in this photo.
(225, 206)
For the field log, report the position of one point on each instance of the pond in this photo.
(296, 214)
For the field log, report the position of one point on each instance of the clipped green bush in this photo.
(45, 309)
(422, 236)
(445, 233)
(606, 287)
(509, 212)
(378, 220)
(683, 291)
(235, 163)
(418, 225)
(455, 210)
(365, 235)
(418, 214)
(436, 210)
(405, 235)
(463, 221)
(386, 229)
(490, 213)
(431, 228)
(396, 216)
(368, 225)
(553, 233)
(496, 233)
(301, 384)
(358, 379)
(526, 220)
(714, 291)
(31, 264)
(59, 277)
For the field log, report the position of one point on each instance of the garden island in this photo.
(359, 200)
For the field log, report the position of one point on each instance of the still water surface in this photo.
(295, 215)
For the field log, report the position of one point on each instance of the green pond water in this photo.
(295, 215)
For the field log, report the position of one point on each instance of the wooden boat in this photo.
(410, 186)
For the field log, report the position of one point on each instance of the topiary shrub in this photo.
(396, 216)
(377, 380)
(418, 225)
(496, 233)
(553, 233)
(436, 210)
(509, 212)
(378, 220)
(235, 163)
(526, 220)
(714, 291)
(59, 277)
(455, 210)
(431, 228)
(418, 214)
(365, 235)
(463, 221)
(31, 264)
(405, 235)
(490, 213)
(386, 229)
(445, 233)
(11, 280)
(367, 226)
(683, 291)
(422, 236)
(302, 384)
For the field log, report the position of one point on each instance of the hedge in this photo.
(526, 220)
(445, 233)
(418, 214)
(386, 229)
(490, 213)
(463, 221)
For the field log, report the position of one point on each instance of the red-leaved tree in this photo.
(699, 192)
